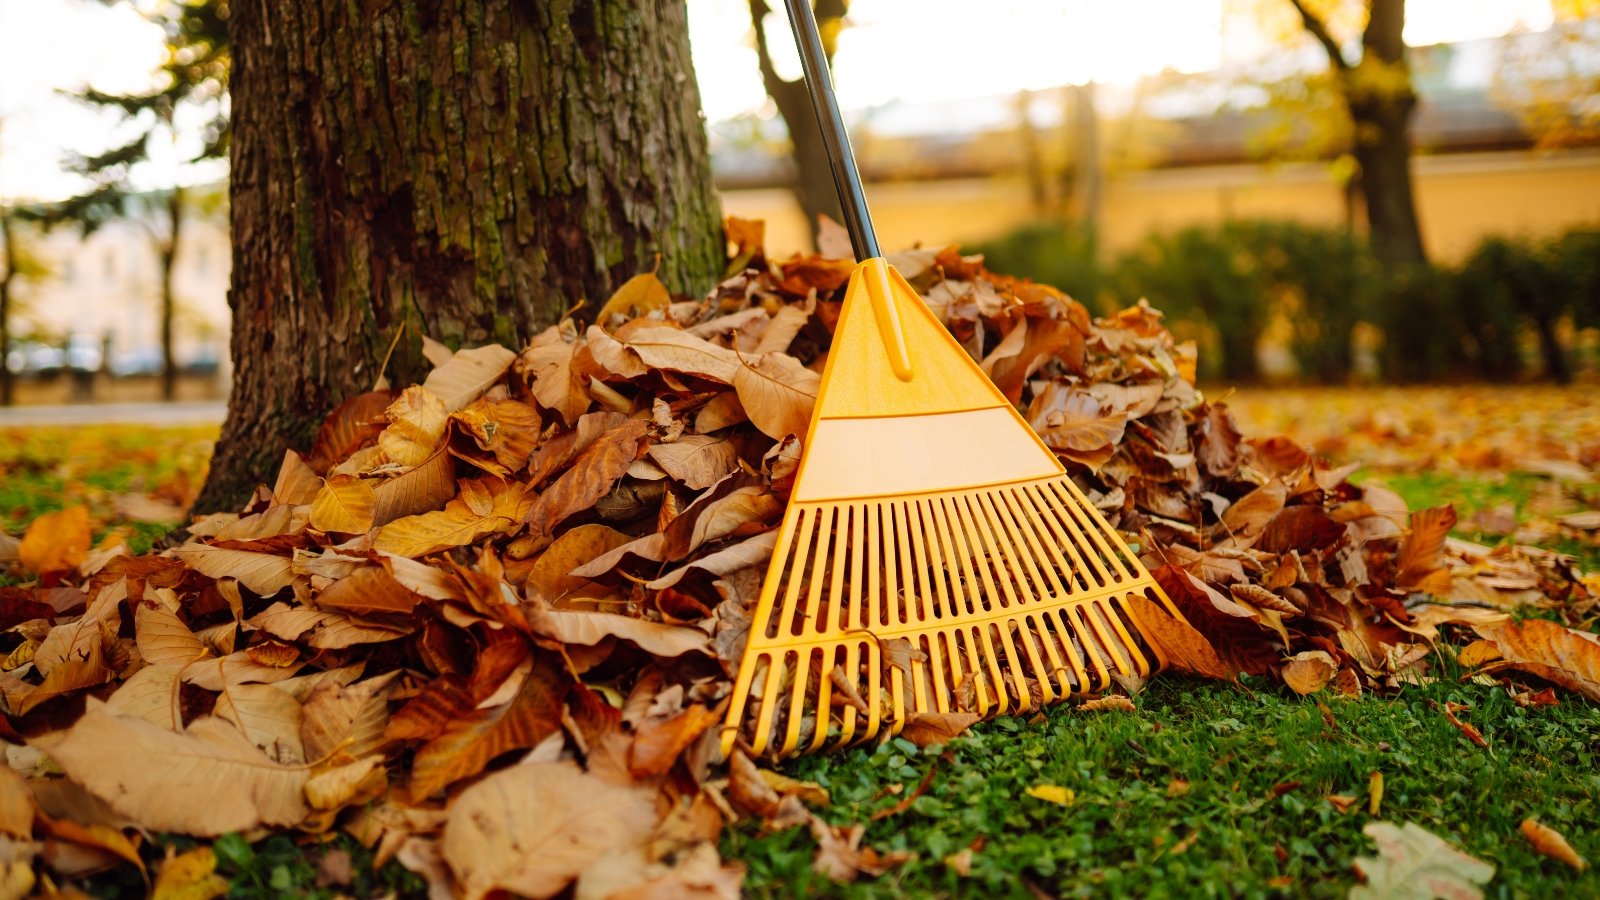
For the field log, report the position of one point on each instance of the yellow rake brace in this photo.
(934, 556)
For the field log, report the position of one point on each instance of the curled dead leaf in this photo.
(1551, 843)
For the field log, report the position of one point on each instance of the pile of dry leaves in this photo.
(487, 624)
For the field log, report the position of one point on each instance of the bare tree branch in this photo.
(769, 74)
(1319, 30)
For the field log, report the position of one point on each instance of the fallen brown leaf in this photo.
(1551, 843)
(531, 829)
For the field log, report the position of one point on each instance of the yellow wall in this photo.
(1461, 198)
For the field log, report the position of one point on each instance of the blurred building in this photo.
(103, 295)
(1187, 150)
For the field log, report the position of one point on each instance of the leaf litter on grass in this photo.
(532, 575)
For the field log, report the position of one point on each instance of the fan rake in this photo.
(934, 556)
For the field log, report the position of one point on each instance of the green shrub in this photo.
(1207, 278)
(1057, 254)
(1224, 285)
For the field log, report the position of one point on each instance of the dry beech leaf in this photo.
(345, 504)
(638, 297)
(152, 695)
(350, 719)
(206, 781)
(556, 385)
(297, 482)
(417, 422)
(263, 573)
(454, 526)
(190, 876)
(323, 630)
(589, 628)
(368, 591)
(1551, 843)
(1414, 864)
(16, 805)
(358, 782)
(697, 460)
(1552, 652)
(468, 374)
(778, 394)
(163, 638)
(531, 829)
(927, 729)
(55, 541)
(469, 743)
(353, 424)
(269, 716)
(1422, 555)
(1309, 671)
(754, 551)
(551, 574)
(1113, 703)
(591, 477)
(74, 640)
(677, 351)
(423, 489)
(783, 327)
(658, 742)
(235, 668)
(1185, 649)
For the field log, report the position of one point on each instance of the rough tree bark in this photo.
(813, 185)
(1380, 97)
(472, 169)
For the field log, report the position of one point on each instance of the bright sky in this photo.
(913, 50)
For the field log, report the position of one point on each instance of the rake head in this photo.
(934, 556)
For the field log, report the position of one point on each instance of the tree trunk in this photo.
(1032, 156)
(1381, 98)
(1383, 150)
(1556, 365)
(8, 244)
(473, 171)
(168, 251)
(1086, 145)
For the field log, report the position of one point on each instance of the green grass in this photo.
(1532, 496)
(46, 469)
(1237, 831)
(1235, 746)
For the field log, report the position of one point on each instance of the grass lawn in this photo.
(1204, 790)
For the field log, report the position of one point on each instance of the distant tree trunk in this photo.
(1086, 143)
(813, 186)
(472, 170)
(1380, 97)
(167, 250)
(8, 245)
(1032, 156)
(1556, 365)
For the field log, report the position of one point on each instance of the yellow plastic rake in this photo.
(934, 556)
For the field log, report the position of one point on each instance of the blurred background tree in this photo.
(813, 177)
(1550, 80)
(180, 121)
(1376, 92)
(19, 264)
